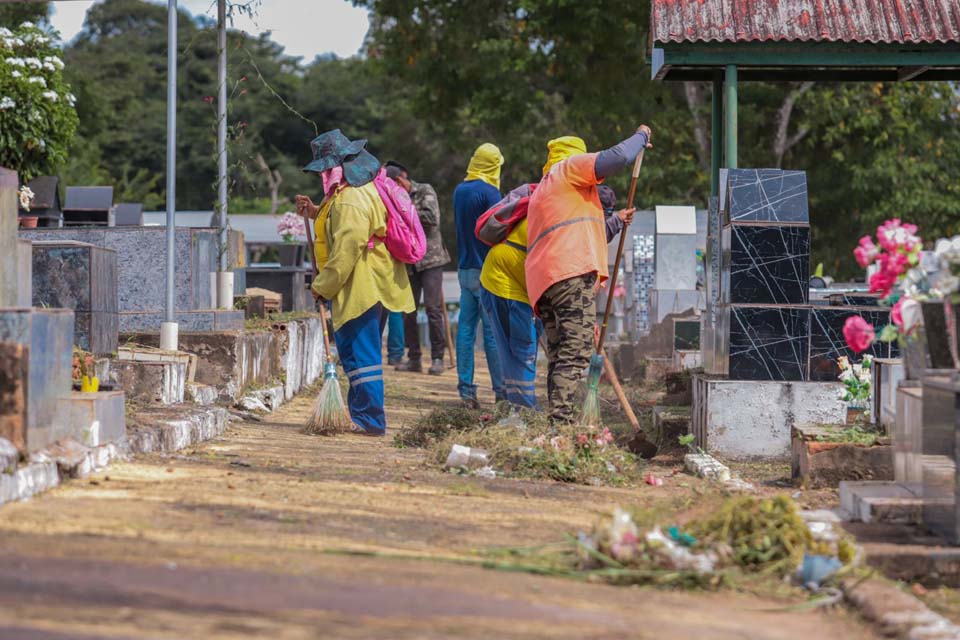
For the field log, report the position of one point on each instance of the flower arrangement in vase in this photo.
(918, 290)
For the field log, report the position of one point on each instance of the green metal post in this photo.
(730, 111)
(716, 136)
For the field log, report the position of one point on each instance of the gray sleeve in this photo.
(614, 225)
(609, 161)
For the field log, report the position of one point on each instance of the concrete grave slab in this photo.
(740, 419)
(96, 419)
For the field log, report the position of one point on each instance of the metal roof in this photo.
(837, 21)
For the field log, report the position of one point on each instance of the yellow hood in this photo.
(560, 149)
(485, 165)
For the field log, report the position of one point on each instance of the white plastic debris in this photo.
(487, 472)
(466, 457)
(513, 420)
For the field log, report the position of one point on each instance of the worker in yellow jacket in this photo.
(356, 271)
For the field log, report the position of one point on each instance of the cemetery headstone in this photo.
(88, 207)
(82, 277)
(128, 214)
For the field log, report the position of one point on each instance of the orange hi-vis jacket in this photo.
(566, 236)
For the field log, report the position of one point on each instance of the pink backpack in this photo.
(405, 239)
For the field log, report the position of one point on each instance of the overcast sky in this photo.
(304, 27)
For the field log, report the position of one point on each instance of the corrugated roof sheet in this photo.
(888, 21)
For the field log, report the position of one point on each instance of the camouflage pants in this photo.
(568, 313)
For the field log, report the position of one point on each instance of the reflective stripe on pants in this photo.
(358, 344)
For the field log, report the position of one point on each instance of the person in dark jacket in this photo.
(426, 277)
(479, 191)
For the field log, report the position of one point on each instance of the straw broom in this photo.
(591, 404)
(329, 415)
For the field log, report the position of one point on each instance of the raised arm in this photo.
(616, 158)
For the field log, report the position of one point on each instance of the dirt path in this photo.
(225, 541)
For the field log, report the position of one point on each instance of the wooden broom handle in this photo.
(616, 263)
(313, 259)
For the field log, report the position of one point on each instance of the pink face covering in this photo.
(331, 179)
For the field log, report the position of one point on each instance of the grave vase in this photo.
(915, 354)
(941, 321)
(291, 254)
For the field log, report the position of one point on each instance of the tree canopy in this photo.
(439, 78)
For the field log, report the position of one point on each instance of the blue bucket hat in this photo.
(332, 149)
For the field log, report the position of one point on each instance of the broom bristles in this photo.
(329, 415)
(590, 416)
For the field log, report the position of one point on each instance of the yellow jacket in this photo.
(354, 275)
(503, 272)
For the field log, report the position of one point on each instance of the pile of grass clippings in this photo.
(530, 448)
(764, 534)
(438, 424)
(743, 539)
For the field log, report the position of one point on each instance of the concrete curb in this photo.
(47, 469)
(896, 613)
(166, 434)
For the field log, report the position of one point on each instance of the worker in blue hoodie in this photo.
(479, 191)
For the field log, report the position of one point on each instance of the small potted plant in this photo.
(26, 196)
(293, 232)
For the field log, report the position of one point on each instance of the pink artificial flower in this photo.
(867, 252)
(896, 315)
(882, 282)
(557, 442)
(892, 266)
(895, 236)
(858, 333)
(582, 439)
(604, 438)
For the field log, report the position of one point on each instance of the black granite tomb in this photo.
(827, 342)
(767, 342)
(686, 335)
(765, 264)
(766, 195)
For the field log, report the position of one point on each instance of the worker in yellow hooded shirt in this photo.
(356, 271)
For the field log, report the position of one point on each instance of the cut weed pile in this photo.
(745, 540)
(437, 425)
(524, 445)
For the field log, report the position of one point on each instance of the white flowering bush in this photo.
(37, 115)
